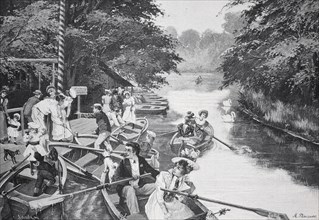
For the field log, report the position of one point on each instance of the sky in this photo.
(193, 14)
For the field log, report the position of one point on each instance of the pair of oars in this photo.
(54, 199)
(261, 212)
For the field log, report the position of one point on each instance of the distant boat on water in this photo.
(199, 80)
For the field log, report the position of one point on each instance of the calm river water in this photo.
(271, 170)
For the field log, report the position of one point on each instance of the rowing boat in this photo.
(178, 143)
(159, 103)
(131, 131)
(150, 109)
(119, 211)
(21, 202)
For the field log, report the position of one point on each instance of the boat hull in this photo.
(150, 110)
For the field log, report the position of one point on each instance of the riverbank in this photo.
(300, 122)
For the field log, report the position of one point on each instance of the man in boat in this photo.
(46, 171)
(186, 129)
(104, 128)
(133, 166)
(147, 152)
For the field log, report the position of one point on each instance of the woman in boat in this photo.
(129, 106)
(3, 115)
(32, 139)
(106, 100)
(163, 205)
(202, 127)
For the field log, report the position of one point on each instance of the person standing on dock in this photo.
(129, 106)
(44, 108)
(133, 166)
(104, 128)
(27, 107)
(3, 115)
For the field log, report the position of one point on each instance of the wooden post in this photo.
(22, 122)
(53, 74)
(39, 81)
(79, 107)
(61, 46)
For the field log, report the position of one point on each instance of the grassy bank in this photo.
(302, 120)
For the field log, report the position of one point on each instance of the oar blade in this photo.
(40, 203)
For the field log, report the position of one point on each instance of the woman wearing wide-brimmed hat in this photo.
(163, 205)
(3, 115)
(129, 106)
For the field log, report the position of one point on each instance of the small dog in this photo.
(12, 154)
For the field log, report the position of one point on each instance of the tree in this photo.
(275, 52)
(190, 39)
(170, 30)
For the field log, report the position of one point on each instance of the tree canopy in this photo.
(116, 34)
(277, 50)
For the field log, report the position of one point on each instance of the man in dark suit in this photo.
(133, 166)
(27, 107)
(103, 129)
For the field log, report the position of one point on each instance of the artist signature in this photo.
(28, 217)
(301, 215)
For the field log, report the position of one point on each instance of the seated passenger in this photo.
(147, 152)
(202, 126)
(46, 171)
(186, 129)
(164, 205)
(133, 166)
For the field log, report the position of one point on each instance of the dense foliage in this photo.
(101, 35)
(277, 50)
(202, 51)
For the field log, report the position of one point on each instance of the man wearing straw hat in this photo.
(27, 107)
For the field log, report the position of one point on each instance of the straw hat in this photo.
(188, 155)
(37, 92)
(4, 89)
(126, 92)
(203, 111)
(16, 115)
(50, 87)
(151, 134)
(33, 125)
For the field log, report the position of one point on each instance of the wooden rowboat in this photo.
(150, 109)
(118, 212)
(159, 103)
(152, 99)
(20, 201)
(177, 142)
(131, 131)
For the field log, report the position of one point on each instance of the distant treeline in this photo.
(202, 51)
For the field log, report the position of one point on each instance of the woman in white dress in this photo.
(162, 205)
(62, 132)
(106, 100)
(129, 106)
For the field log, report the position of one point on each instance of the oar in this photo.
(36, 204)
(84, 171)
(13, 168)
(227, 145)
(261, 212)
(167, 133)
(3, 193)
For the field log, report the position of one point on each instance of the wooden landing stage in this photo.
(81, 126)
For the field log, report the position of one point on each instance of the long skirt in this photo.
(3, 127)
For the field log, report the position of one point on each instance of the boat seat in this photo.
(116, 199)
(130, 129)
(63, 150)
(129, 136)
(85, 160)
(98, 171)
(26, 173)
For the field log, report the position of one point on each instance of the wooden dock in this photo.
(81, 125)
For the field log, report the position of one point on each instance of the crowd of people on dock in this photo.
(116, 109)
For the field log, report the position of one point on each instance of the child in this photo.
(32, 140)
(13, 127)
